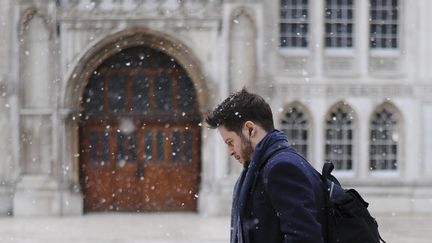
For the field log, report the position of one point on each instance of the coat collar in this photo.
(270, 144)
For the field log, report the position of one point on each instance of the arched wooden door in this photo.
(140, 135)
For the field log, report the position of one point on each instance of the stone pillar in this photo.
(71, 200)
(7, 159)
(37, 191)
(364, 110)
(7, 168)
(427, 140)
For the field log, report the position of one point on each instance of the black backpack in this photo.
(348, 219)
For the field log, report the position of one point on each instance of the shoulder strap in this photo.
(326, 173)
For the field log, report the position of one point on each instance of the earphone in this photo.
(250, 131)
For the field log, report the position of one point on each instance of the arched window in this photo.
(384, 24)
(339, 23)
(384, 139)
(339, 136)
(295, 124)
(294, 23)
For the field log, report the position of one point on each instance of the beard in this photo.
(247, 150)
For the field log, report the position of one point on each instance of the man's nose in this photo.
(231, 152)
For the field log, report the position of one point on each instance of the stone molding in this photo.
(422, 91)
(140, 9)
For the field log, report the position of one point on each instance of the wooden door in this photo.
(140, 135)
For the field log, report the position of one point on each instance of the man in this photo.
(278, 196)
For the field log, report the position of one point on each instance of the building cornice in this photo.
(139, 10)
(338, 90)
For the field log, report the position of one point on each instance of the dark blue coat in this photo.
(278, 197)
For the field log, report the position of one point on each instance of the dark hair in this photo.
(238, 108)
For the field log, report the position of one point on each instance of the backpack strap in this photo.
(326, 173)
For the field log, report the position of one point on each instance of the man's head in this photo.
(242, 119)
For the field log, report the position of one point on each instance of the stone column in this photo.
(37, 192)
(71, 200)
(8, 168)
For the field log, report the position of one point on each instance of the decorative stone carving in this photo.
(83, 22)
(348, 90)
(142, 9)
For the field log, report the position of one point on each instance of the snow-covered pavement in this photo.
(169, 228)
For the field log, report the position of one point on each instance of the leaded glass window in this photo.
(182, 146)
(93, 101)
(140, 90)
(148, 143)
(163, 93)
(339, 137)
(160, 138)
(339, 23)
(185, 94)
(176, 147)
(126, 147)
(188, 146)
(296, 126)
(384, 140)
(384, 24)
(98, 148)
(294, 23)
(117, 93)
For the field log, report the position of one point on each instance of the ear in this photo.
(249, 126)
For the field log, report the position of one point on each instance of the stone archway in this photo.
(115, 45)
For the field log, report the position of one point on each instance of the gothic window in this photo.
(339, 137)
(384, 140)
(295, 124)
(294, 26)
(339, 23)
(384, 24)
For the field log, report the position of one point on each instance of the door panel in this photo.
(97, 184)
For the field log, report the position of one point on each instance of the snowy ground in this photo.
(167, 228)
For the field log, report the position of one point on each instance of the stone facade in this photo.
(49, 48)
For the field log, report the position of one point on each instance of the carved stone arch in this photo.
(28, 15)
(345, 106)
(35, 37)
(242, 49)
(392, 108)
(296, 122)
(244, 12)
(131, 37)
(297, 104)
(98, 54)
